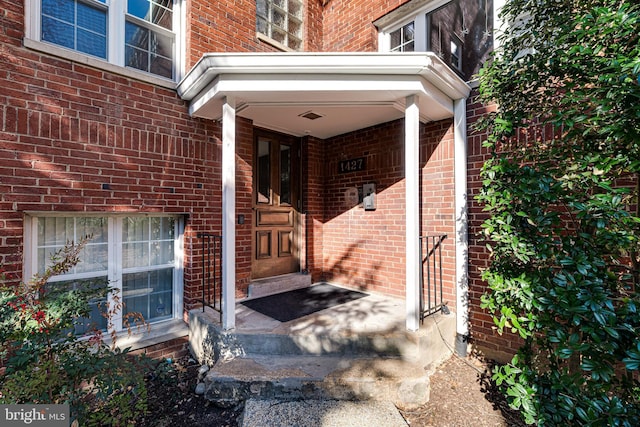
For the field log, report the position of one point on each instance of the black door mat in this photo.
(291, 305)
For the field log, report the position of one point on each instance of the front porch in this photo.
(403, 116)
(357, 350)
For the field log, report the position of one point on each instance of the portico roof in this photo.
(321, 94)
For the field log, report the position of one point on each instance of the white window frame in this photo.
(455, 41)
(115, 268)
(116, 21)
(416, 11)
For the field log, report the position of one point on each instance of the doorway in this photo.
(276, 195)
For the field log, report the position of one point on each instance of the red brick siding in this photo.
(230, 26)
(485, 339)
(365, 249)
(174, 349)
(76, 139)
(313, 193)
(348, 24)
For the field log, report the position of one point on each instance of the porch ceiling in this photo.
(345, 91)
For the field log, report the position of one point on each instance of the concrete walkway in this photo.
(320, 413)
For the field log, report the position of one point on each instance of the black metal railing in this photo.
(211, 271)
(431, 300)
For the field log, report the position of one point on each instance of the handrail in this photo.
(431, 264)
(211, 271)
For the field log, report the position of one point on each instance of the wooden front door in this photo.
(275, 201)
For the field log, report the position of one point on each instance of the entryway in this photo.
(276, 196)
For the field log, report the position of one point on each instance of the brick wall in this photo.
(230, 26)
(483, 334)
(174, 349)
(365, 249)
(348, 24)
(77, 139)
(313, 193)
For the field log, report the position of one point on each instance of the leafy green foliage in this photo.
(562, 193)
(47, 363)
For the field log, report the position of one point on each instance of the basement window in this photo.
(140, 256)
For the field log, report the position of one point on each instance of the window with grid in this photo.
(281, 21)
(137, 255)
(140, 34)
(402, 39)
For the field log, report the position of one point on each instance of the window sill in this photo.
(63, 53)
(158, 333)
(273, 43)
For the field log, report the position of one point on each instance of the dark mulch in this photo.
(461, 395)
(172, 400)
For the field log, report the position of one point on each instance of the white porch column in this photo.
(229, 214)
(412, 182)
(462, 241)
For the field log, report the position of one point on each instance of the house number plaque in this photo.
(352, 165)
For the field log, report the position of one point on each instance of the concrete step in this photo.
(313, 336)
(405, 384)
(275, 285)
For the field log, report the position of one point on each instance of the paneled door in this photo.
(275, 204)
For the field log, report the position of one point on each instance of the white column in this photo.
(412, 182)
(462, 242)
(229, 214)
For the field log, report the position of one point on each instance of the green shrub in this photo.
(561, 190)
(46, 363)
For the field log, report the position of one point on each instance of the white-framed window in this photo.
(140, 256)
(141, 35)
(393, 26)
(403, 38)
(281, 21)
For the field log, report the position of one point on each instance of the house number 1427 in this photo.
(351, 165)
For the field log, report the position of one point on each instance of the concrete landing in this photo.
(323, 413)
(359, 350)
(405, 384)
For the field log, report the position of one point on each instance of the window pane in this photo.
(148, 50)
(135, 229)
(57, 32)
(264, 171)
(139, 8)
(285, 174)
(162, 228)
(295, 9)
(75, 25)
(95, 320)
(54, 233)
(281, 20)
(157, 12)
(395, 38)
(92, 19)
(161, 45)
(295, 29)
(149, 293)
(137, 36)
(59, 9)
(94, 257)
(408, 33)
(402, 39)
(261, 7)
(91, 43)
